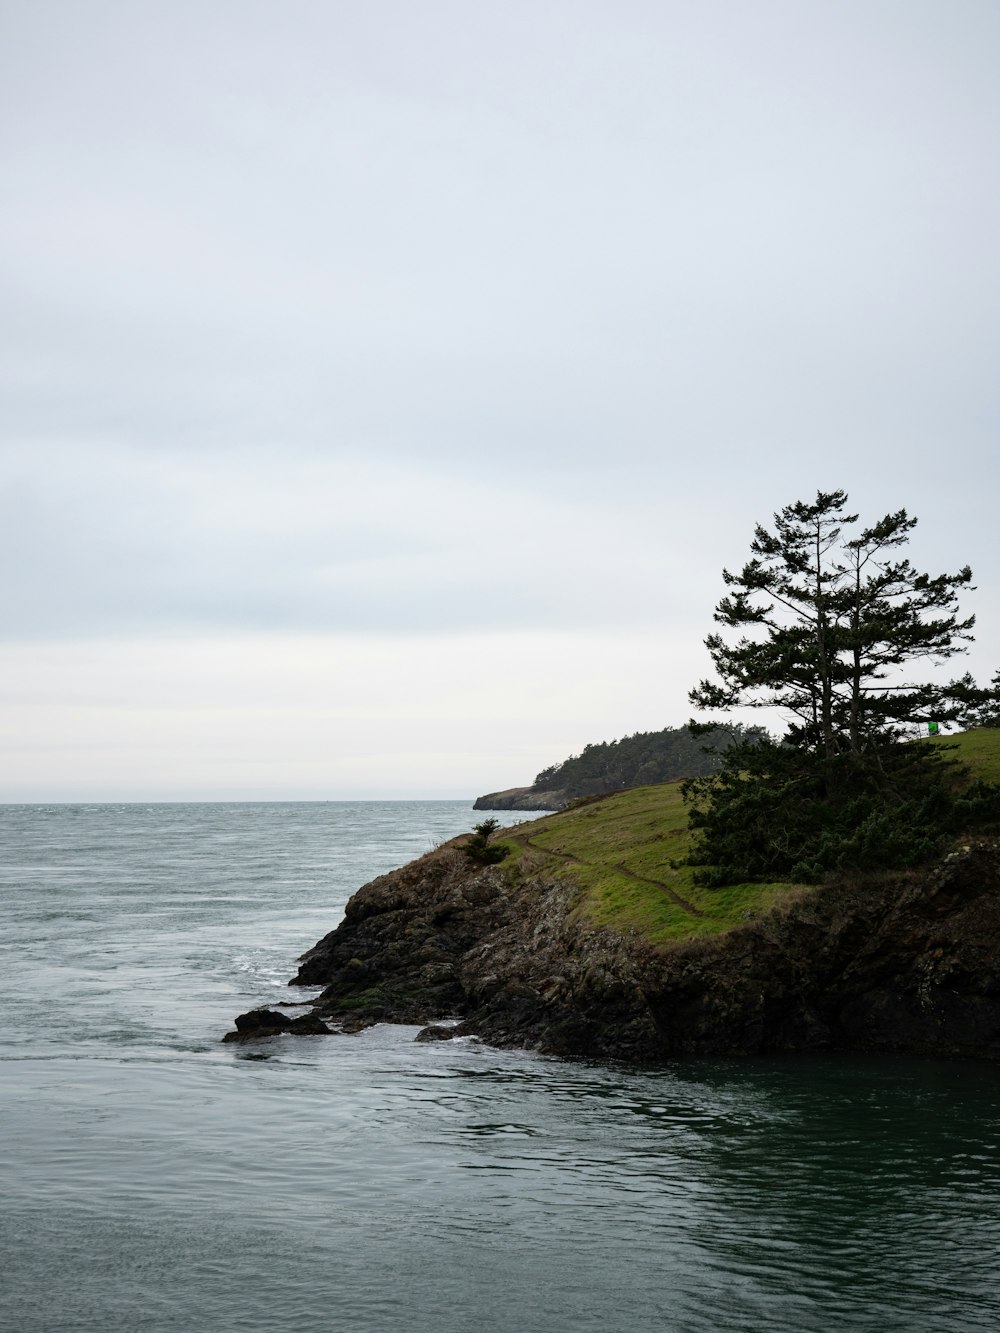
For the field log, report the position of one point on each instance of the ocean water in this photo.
(154, 1179)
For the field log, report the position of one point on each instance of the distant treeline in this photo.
(634, 761)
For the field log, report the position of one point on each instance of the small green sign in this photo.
(932, 728)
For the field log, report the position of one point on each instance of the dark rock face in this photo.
(444, 937)
(436, 1032)
(258, 1023)
(523, 798)
(397, 955)
(907, 963)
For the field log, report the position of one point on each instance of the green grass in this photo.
(362, 1000)
(643, 831)
(979, 749)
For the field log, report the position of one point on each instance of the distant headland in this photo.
(634, 761)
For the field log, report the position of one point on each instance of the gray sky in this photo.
(386, 384)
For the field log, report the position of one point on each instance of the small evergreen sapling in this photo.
(479, 848)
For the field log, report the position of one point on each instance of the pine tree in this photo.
(981, 706)
(834, 629)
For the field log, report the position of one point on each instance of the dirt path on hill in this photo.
(676, 898)
(659, 884)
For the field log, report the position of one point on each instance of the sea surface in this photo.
(154, 1179)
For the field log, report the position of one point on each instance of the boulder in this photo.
(435, 1032)
(256, 1024)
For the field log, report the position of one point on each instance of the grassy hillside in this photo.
(980, 750)
(619, 849)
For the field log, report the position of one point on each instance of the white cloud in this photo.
(111, 539)
(320, 717)
(383, 322)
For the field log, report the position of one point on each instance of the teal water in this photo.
(153, 1179)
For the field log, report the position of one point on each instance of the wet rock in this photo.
(257, 1024)
(909, 962)
(308, 1025)
(262, 1020)
(355, 1024)
(435, 1032)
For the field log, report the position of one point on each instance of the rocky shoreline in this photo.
(523, 798)
(904, 963)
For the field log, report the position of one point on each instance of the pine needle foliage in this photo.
(834, 629)
(479, 848)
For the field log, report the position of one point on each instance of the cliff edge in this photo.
(906, 963)
(522, 798)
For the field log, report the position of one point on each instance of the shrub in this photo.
(480, 849)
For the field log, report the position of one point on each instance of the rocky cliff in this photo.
(903, 963)
(522, 798)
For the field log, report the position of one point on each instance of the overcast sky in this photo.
(386, 384)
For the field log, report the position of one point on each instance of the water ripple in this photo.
(155, 1179)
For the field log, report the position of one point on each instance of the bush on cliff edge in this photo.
(480, 849)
